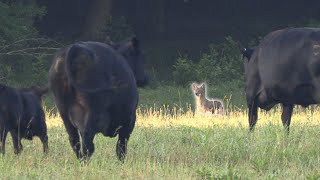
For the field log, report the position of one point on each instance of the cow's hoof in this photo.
(84, 160)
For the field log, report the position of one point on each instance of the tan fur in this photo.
(205, 106)
(56, 66)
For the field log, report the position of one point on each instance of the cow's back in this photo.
(285, 66)
(111, 70)
(108, 85)
(118, 76)
(122, 100)
(32, 108)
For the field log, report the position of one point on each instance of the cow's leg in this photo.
(16, 143)
(3, 136)
(44, 136)
(87, 143)
(44, 140)
(121, 148)
(41, 132)
(74, 138)
(124, 135)
(287, 110)
(73, 133)
(87, 129)
(253, 115)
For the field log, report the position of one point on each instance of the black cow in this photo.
(131, 52)
(284, 68)
(22, 115)
(247, 53)
(95, 91)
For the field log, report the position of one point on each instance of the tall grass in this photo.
(172, 142)
(181, 145)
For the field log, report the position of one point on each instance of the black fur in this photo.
(130, 50)
(247, 53)
(95, 91)
(22, 115)
(284, 68)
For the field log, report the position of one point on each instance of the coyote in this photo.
(203, 105)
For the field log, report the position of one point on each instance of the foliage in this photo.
(17, 21)
(186, 71)
(23, 55)
(312, 23)
(222, 63)
(117, 28)
(30, 70)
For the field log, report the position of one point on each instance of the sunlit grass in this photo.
(171, 143)
(166, 116)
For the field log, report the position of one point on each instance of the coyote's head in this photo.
(199, 91)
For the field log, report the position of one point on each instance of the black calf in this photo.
(21, 114)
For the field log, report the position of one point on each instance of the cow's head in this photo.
(247, 53)
(246, 56)
(130, 50)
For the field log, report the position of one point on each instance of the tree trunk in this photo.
(160, 18)
(96, 19)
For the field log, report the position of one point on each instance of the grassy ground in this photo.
(169, 143)
(182, 97)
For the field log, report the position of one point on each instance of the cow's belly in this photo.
(100, 121)
(303, 94)
(112, 119)
(109, 125)
(306, 94)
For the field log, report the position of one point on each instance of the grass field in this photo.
(173, 143)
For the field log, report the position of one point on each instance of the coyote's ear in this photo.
(203, 85)
(194, 86)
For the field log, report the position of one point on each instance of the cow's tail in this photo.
(82, 70)
(78, 59)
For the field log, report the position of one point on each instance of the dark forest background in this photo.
(183, 40)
